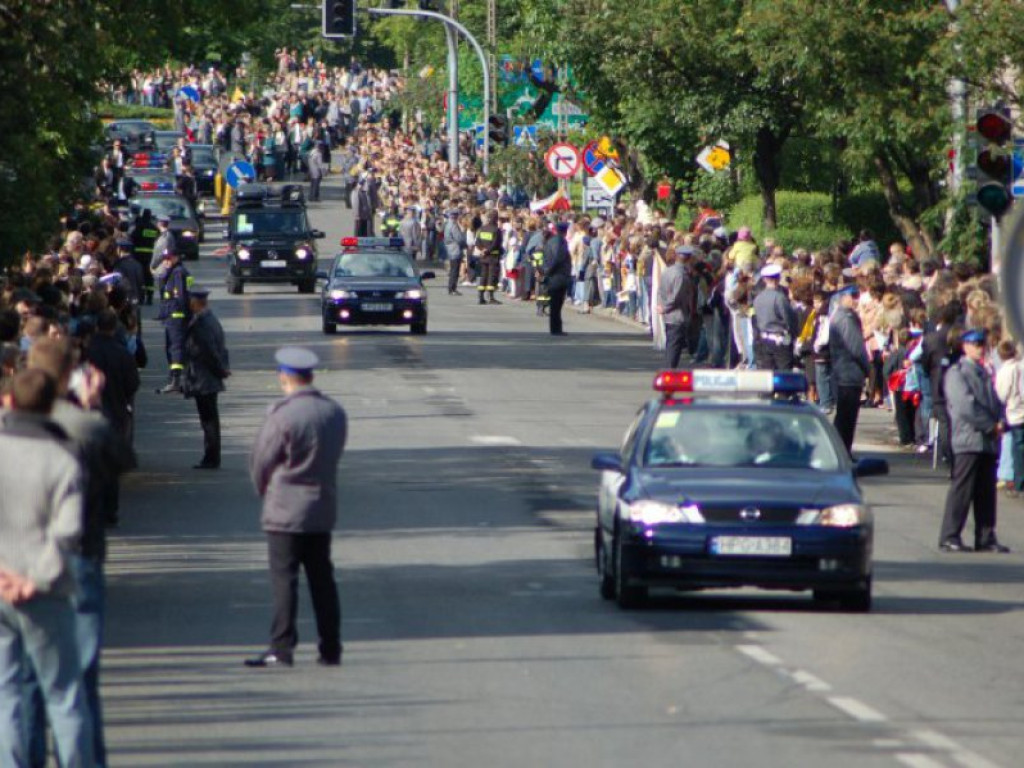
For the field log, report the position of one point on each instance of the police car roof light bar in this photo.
(372, 242)
(715, 382)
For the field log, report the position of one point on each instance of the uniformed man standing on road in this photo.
(488, 248)
(774, 324)
(144, 234)
(165, 243)
(850, 364)
(294, 465)
(207, 366)
(555, 273)
(976, 421)
(174, 309)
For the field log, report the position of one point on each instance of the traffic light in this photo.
(497, 130)
(339, 18)
(994, 164)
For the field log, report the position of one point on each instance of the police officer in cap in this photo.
(294, 465)
(174, 311)
(207, 365)
(165, 243)
(850, 364)
(488, 248)
(976, 424)
(555, 273)
(133, 276)
(774, 324)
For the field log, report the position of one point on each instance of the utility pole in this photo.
(492, 47)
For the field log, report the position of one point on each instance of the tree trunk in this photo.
(921, 242)
(767, 149)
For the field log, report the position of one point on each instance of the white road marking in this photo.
(972, 760)
(889, 743)
(918, 760)
(759, 654)
(856, 709)
(962, 756)
(494, 440)
(810, 682)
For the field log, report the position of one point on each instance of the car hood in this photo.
(758, 487)
(368, 283)
(269, 242)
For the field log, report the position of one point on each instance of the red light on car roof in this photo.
(349, 242)
(674, 381)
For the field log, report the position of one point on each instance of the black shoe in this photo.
(481, 302)
(493, 300)
(559, 333)
(269, 659)
(206, 465)
(993, 546)
(324, 661)
(954, 545)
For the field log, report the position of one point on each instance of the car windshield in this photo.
(373, 265)
(729, 437)
(163, 206)
(129, 129)
(203, 156)
(166, 141)
(264, 222)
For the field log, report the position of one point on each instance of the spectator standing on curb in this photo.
(40, 527)
(1010, 388)
(294, 466)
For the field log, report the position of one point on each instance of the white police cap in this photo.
(296, 360)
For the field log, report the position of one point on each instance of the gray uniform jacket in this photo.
(677, 295)
(454, 240)
(294, 462)
(974, 408)
(42, 502)
(206, 355)
(411, 232)
(773, 314)
(315, 163)
(164, 242)
(850, 364)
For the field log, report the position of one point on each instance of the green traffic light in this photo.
(994, 198)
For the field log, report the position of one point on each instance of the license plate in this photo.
(752, 546)
(377, 307)
(274, 263)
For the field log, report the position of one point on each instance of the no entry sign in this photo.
(562, 160)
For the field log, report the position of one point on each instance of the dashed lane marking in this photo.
(494, 440)
(918, 760)
(759, 654)
(858, 710)
(810, 682)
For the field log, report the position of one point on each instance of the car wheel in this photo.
(329, 328)
(419, 329)
(606, 580)
(307, 286)
(626, 595)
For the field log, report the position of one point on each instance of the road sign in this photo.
(716, 158)
(239, 172)
(591, 161)
(478, 136)
(1018, 168)
(190, 92)
(610, 179)
(524, 135)
(595, 197)
(562, 160)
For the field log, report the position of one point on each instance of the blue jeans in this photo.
(823, 381)
(39, 635)
(90, 607)
(1005, 471)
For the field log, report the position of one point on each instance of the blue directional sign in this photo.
(478, 132)
(239, 172)
(1018, 168)
(190, 92)
(524, 135)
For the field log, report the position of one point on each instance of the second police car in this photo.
(732, 479)
(372, 282)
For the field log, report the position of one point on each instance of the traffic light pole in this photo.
(457, 27)
(453, 97)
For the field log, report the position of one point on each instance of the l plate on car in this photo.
(752, 546)
(273, 263)
(371, 307)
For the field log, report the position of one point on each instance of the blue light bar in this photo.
(718, 382)
(372, 242)
(789, 383)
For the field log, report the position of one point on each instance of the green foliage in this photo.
(868, 210)
(132, 112)
(805, 220)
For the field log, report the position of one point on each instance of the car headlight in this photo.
(301, 253)
(414, 293)
(243, 254)
(339, 294)
(208, 173)
(188, 234)
(839, 516)
(650, 512)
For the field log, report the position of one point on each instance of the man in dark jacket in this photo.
(677, 302)
(850, 364)
(555, 273)
(976, 421)
(294, 466)
(112, 358)
(206, 366)
(133, 277)
(935, 358)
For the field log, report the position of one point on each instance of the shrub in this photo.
(133, 112)
(805, 220)
(868, 210)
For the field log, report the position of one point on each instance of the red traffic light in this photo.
(994, 127)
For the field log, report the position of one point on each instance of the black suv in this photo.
(270, 239)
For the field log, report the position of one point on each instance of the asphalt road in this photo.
(474, 634)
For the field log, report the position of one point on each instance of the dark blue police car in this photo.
(731, 479)
(372, 282)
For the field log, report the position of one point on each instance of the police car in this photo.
(185, 222)
(732, 479)
(204, 164)
(271, 240)
(372, 282)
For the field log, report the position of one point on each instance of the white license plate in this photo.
(752, 546)
(274, 263)
(377, 307)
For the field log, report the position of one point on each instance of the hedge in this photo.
(133, 112)
(805, 220)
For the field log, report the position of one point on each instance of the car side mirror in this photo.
(606, 462)
(316, 234)
(868, 467)
(427, 276)
(321, 275)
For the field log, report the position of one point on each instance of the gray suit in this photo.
(677, 295)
